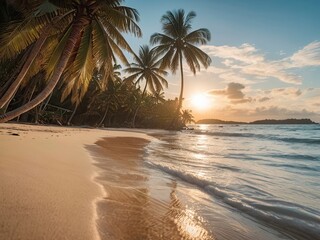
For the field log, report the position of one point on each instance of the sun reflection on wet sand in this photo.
(132, 209)
(189, 224)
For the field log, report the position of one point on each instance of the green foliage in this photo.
(92, 81)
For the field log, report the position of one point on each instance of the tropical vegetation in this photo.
(146, 68)
(60, 64)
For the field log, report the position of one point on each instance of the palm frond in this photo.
(100, 50)
(117, 50)
(112, 32)
(199, 36)
(123, 18)
(46, 7)
(56, 54)
(159, 38)
(132, 70)
(62, 3)
(131, 79)
(41, 60)
(80, 72)
(191, 60)
(174, 64)
(17, 36)
(200, 55)
(162, 80)
(190, 16)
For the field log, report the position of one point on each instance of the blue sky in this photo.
(261, 50)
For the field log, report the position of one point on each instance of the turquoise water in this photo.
(268, 174)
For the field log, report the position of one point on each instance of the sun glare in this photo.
(201, 101)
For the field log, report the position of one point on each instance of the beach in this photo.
(47, 186)
(83, 183)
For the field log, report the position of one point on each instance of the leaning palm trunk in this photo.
(76, 32)
(30, 56)
(104, 116)
(139, 105)
(72, 115)
(18, 69)
(44, 104)
(16, 84)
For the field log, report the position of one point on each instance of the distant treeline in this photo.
(265, 121)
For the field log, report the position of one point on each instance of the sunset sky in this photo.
(266, 57)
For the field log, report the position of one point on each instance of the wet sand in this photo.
(78, 183)
(137, 203)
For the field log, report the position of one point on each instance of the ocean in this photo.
(243, 181)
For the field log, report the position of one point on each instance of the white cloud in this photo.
(233, 77)
(247, 60)
(307, 56)
(246, 53)
(269, 69)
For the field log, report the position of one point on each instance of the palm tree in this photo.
(146, 67)
(178, 41)
(159, 97)
(91, 37)
(101, 86)
(111, 94)
(187, 116)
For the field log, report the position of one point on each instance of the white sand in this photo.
(46, 182)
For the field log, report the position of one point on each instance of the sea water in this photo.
(268, 175)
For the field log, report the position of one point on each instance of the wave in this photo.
(295, 219)
(260, 136)
(296, 157)
(296, 166)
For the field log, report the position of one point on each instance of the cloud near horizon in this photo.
(236, 93)
(233, 92)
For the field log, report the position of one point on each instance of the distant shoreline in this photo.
(265, 121)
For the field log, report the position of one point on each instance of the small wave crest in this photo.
(290, 217)
(261, 136)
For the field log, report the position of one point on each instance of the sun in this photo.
(201, 101)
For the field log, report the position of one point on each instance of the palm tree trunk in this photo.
(182, 84)
(104, 116)
(176, 115)
(24, 117)
(22, 61)
(34, 53)
(80, 23)
(72, 115)
(139, 105)
(44, 104)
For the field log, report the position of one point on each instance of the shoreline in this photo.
(141, 203)
(111, 148)
(48, 181)
(80, 183)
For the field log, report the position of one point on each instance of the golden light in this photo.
(201, 101)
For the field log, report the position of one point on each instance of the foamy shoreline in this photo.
(48, 186)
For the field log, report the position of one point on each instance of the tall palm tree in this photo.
(146, 67)
(178, 41)
(91, 37)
